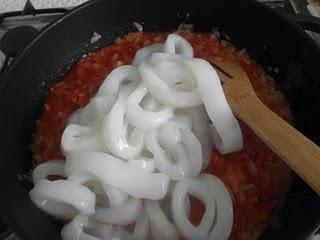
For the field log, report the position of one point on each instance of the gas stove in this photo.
(38, 13)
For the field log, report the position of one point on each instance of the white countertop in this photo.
(16, 5)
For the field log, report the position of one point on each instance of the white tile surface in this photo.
(16, 5)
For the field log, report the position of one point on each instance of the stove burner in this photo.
(29, 9)
(14, 41)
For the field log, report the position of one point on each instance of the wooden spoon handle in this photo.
(301, 154)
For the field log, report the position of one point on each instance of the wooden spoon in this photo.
(300, 153)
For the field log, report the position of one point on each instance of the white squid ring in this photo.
(162, 92)
(51, 197)
(183, 146)
(161, 227)
(111, 85)
(119, 215)
(141, 118)
(200, 190)
(108, 169)
(145, 52)
(224, 211)
(140, 232)
(94, 112)
(53, 167)
(176, 44)
(77, 138)
(114, 134)
(173, 70)
(147, 165)
(226, 132)
(173, 171)
(200, 128)
(115, 196)
(75, 230)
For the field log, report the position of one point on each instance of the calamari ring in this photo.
(141, 118)
(200, 190)
(51, 197)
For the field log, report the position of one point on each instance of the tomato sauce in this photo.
(256, 178)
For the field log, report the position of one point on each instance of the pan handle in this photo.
(306, 22)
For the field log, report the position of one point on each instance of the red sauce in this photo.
(257, 179)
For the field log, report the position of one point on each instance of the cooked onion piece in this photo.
(227, 134)
(77, 138)
(141, 118)
(51, 197)
(136, 182)
(53, 167)
(161, 227)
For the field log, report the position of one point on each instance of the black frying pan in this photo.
(271, 39)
